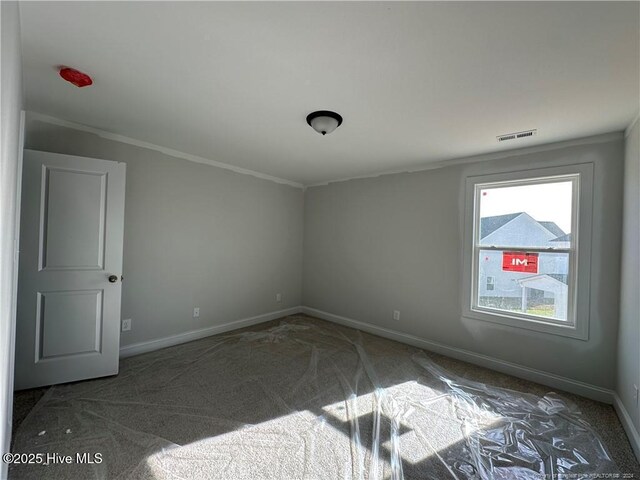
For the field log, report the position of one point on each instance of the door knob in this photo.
(113, 278)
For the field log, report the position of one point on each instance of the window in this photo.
(524, 263)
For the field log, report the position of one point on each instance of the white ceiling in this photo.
(415, 82)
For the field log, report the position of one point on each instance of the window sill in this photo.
(553, 328)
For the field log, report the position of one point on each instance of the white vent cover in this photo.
(517, 135)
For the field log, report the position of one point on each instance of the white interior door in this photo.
(69, 284)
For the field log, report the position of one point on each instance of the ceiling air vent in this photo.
(517, 135)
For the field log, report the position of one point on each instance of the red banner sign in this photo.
(520, 262)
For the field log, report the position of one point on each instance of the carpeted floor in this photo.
(303, 398)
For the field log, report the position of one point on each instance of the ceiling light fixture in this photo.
(324, 121)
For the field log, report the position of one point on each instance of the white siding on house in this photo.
(506, 290)
(522, 231)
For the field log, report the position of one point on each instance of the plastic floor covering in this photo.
(303, 399)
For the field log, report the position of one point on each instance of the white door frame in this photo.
(8, 361)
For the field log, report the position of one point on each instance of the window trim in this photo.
(577, 325)
(571, 251)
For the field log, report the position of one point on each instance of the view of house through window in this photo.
(524, 248)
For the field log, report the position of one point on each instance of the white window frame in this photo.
(577, 324)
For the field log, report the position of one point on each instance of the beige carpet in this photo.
(303, 398)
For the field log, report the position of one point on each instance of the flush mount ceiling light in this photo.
(324, 121)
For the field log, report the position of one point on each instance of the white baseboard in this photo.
(549, 379)
(157, 344)
(627, 423)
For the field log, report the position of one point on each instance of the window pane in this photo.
(526, 215)
(534, 284)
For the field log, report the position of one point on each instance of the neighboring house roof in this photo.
(553, 228)
(488, 225)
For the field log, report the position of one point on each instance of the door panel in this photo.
(68, 325)
(61, 213)
(65, 325)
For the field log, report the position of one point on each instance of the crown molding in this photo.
(601, 138)
(605, 137)
(631, 125)
(151, 146)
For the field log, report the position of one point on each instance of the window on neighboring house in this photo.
(524, 263)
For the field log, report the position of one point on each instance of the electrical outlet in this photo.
(126, 324)
(396, 315)
(278, 297)
(196, 312)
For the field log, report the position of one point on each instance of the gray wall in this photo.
(395, 243)
(11, 101)
(629, 334)
(195, 235)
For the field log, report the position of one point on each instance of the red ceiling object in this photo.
(76, 77)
